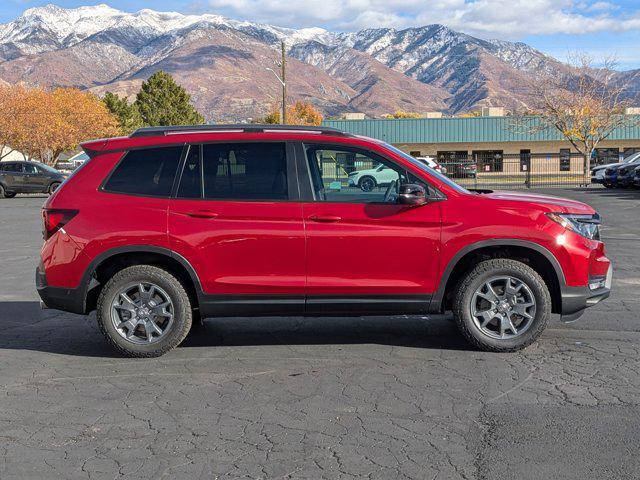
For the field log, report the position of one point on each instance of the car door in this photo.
(236, 217)
(365, 251)
(13, 176)
(35, 179)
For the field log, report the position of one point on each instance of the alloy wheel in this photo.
(503, 307)
(142, 313)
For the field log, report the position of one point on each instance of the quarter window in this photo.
(146, 172)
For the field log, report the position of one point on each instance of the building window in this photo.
(489, 160)
(565, 159)
(607, 155)
(630, 151)
(415, 153)
(525, 160)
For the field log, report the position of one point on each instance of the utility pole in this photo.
(282, 78)
(284, 83)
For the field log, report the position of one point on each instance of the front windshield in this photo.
(443, 178)
(47, 168)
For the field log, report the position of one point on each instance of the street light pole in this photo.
(284, 83)
(282, 78)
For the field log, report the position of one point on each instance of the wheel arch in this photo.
(105, 265)
(536, 256)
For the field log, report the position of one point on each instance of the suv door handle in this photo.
(325, 218)
(202, 214)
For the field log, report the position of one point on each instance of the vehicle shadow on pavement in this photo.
(437, 332)
(621, 193)
(24, 326)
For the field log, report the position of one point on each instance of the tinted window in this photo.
(245, 171)
(11, 167)
(146, 172)
(30, 168)
(191, 180)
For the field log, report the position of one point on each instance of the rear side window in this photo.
(146, 172)
(11, 167)
(235, 171)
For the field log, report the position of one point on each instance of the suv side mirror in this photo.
(412, 194)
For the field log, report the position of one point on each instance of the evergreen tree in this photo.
(129, 118)
(162, 102)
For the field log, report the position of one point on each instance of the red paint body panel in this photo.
(247, 248)
(277, 247)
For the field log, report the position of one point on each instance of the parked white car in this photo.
(369, 179)
(431, 162)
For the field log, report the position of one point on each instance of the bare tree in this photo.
(583, 103)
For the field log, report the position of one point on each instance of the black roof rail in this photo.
(241, 127)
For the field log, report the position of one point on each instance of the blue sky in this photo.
(557, 27)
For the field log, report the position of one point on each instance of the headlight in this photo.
(586, 225)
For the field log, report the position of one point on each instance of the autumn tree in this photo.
(162, 102)
(583, 103)
(129, 118)
(12, 109)
(43, 124)
(300, 113)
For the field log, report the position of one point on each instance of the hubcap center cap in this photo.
(504, 306)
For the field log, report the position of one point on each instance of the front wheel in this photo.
(144, 311)
(53, 187)
(367, 184)
(502, 305)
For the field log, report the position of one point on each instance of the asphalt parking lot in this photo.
(385, 398)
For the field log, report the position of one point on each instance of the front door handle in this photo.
(202, 214)
(325, 218)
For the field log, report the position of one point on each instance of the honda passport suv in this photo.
(171, 225)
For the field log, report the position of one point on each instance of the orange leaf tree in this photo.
(300, 113)
(43, 124)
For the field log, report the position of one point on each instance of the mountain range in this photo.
(223, 62)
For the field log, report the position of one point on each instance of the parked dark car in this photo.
(462, 169)
(620, 175)
(636, 178)
(598, 172)
(28, 177)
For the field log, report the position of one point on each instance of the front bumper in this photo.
(66, 299)
(575, 300)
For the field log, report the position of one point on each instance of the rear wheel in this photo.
(502, 305)
(53, 187)
(144, 311)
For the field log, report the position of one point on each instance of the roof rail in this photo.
(235, 128)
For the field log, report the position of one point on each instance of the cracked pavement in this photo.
(380, 398)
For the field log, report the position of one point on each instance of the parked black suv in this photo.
(28, 177)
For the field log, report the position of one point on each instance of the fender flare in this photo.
(88, 282)
(435, 306)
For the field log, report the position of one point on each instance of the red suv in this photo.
(171, 225)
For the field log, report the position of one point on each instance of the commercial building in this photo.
(496, 144)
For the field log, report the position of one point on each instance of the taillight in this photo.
(53, 219)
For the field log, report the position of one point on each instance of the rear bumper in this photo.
(66, 299)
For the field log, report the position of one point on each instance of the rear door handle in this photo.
(202, 214)
(325, 218)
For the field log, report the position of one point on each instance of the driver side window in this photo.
(352, 175)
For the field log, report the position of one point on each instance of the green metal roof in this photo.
(462, 130)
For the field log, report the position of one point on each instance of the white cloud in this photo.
(488, 18)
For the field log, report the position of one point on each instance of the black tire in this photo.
(367, 183)
(182, 310)
(477, 277)
(3, 193)
(53, 187)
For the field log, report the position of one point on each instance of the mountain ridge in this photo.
(223, 62)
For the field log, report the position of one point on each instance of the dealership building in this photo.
(496, 143)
